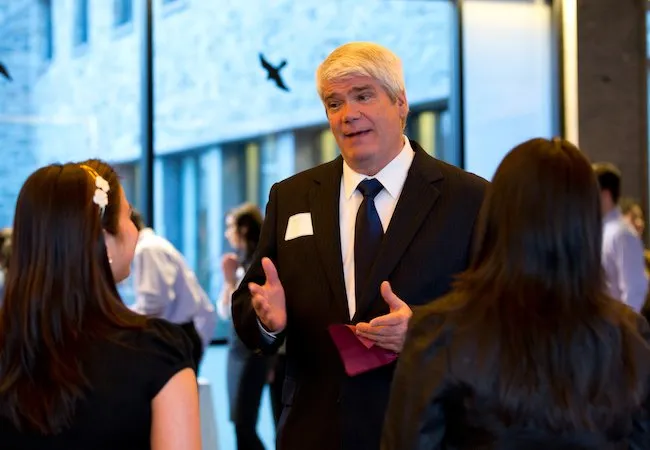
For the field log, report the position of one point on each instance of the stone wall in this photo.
(209, 84)
(19, 52)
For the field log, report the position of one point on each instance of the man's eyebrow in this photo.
(356, 89)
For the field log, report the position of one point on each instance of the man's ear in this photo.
(403, 105)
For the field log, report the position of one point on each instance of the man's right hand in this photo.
(268, 299)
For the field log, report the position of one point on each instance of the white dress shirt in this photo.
(623, 261)
(167, 288)
(392, 177)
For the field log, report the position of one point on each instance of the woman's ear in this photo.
(109, 241)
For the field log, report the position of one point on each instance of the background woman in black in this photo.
(247, 371)
(528, 351)
(79, 370)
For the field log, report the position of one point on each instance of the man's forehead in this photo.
(348, 85)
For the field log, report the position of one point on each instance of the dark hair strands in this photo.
(555, 348)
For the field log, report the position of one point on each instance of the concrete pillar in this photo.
(612, 101)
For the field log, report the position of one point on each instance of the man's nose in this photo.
(351, 112)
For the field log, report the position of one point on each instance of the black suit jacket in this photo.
(426, 243)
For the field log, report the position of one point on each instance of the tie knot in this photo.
(370, 187)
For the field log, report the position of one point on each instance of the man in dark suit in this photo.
(330, 254)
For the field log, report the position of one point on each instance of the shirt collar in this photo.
(392, 176)
(144, 233)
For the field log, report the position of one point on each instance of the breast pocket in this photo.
(298, 254)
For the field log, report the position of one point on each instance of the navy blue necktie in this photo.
(368, 234)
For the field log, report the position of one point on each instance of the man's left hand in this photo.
(388, 331)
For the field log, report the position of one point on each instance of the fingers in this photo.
(230, 257)
(262, 310)
(387, 331)
(229, 262)
(393, 301)
(391, 319)
(256, 289)
(392, 343)
(373, 332)
(260, 304)
(270, 272)
(266, 312)
(258, 299)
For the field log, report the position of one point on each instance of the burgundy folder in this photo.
(358, 354)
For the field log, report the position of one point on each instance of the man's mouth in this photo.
(357, 133)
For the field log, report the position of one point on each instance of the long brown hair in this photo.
(562, 351)
(59, 294)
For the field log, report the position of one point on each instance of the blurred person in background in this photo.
(528, 351)
(166, 287)
(622, 252)
(247, 371)
(87, 373)
(633, 214)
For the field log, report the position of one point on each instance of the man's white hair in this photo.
(363, 59)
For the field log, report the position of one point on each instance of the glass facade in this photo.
(216, 103)
(508, 78)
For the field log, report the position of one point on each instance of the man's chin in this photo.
(360, 153)
(361, 160)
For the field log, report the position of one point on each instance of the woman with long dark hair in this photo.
(247, 371)
(78, 369)
(527, 351)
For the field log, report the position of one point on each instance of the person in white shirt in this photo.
(622, 250)
(166, 287)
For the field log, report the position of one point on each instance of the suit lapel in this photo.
(324, 206)
(418, 196)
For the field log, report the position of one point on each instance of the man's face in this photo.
(366, 123)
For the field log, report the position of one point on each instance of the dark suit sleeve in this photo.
(415, 416)
(243, 314)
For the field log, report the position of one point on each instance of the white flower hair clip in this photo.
(102, 188)
(101, 193)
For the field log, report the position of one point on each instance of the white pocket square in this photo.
(299, 225)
